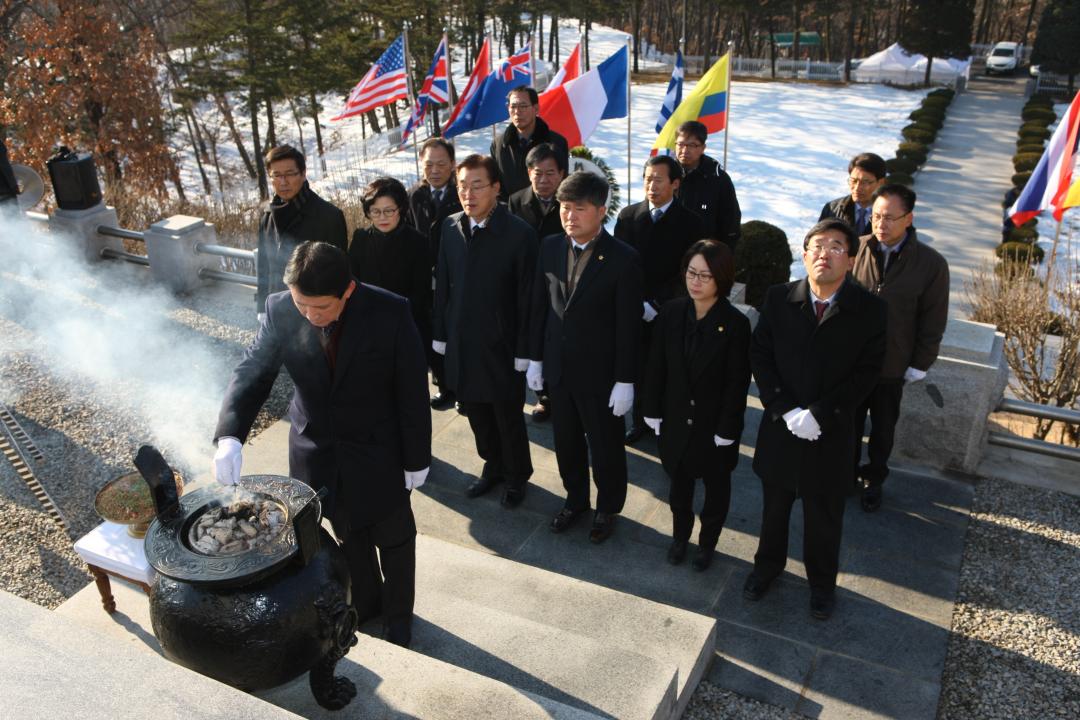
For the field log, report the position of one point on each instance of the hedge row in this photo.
(926, 122)
(1036, 117)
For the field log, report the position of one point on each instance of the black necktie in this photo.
(819, 309)
(577, 252)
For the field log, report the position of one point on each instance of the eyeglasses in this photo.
(689, 145)
(861, 182)
(703, 278)
(380, 213)
(472, 189)
(285, 175)
(518, 107)
(879, 218)
(834, 250)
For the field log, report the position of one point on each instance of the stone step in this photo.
(579, 610)
(393, 683)
(52, 665)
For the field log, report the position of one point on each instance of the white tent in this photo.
(895, 65)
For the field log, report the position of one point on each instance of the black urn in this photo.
(255, 612)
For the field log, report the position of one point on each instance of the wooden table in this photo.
(109, 550)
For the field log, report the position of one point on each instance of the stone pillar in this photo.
(170, 245)
(943, 419)
(80, 227)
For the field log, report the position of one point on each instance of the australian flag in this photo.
(674, 92)
(434, 91)
(488, 105)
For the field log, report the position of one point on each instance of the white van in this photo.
(1004, 58)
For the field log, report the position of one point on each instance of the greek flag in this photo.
(674, 92)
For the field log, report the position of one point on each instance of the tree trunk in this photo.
(260, 168)
(635, 29)
(849, 42)
(299, 124)
(195, 145)
(374, 120)
(271, 130)
(929, 64)
(318, 129)
(797, 18)
(772, 48)
(226, 112)
(1030, 17)
(553, 39)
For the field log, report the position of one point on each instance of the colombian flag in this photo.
(707, 104)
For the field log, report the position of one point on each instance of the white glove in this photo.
(649, 314)
(534, 376)
(261, 317)
(654, 423)
(415, 478)
(912, 375)
(802, 424)
(438, 346)
(622, 399)
(521, 364)
(722, 442)
(227, 460)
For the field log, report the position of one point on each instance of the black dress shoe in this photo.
(755, 587)
(602, 527)
(461, 409)
(822, 604)
(541, 413)
(442, 400)
(634, 434)
(702, 559)
(480, 486)
(565, 519)
(512, 497)
(871, 499)
(677, 552)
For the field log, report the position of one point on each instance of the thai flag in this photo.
(434, 91)
(479, 74)
(1048, 185)
(575, 108)
(674, 93)
(383, 84)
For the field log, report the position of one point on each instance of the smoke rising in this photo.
(106, 329)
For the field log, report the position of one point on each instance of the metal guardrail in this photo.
(120, 233)
(1045, 412)
(122, 255)
(225, 276)
(226, 252)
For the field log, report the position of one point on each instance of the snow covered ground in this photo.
(788, 147)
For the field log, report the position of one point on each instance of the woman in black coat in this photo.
(392, 255)
(695, 395)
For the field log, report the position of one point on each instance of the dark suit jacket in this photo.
(482, 291)
(843, 208)
(527, 206)
(427, 216)
(356, 430)
(661, 246)
(699, 396)
(590, 340)
(828, 368)
(708, 191)
(307, 217)
(510, 155)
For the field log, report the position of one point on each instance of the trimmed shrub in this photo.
(1043, 116)
(1029, 130)
(1019, 252)
(762, 259)
(942, 92)
(902, 165)
(1020, 179)
(1030, 146)
(921, 117)
(897, 177)
(1040, 100)
(912, 133)
(918, 157)
(1026, 162)
(936, 101)
(915, 147)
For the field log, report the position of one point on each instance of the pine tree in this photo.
(1057, 44)
(938, 28)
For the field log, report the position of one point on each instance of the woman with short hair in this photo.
(695, 395)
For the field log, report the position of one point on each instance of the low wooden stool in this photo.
(108, 550)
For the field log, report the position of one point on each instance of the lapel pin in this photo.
(719, 328)
(600, 257)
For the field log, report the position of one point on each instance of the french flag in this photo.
(1048, 186)
(574, 108)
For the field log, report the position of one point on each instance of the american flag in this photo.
(434, 91)
(383, 84)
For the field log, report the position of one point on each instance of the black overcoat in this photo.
(510, 155)
(828, 368)
(427, 216)
(482, 290)
(528, 207)
(590, 340)
(702, 395)
(396, 261)
(708, 191)
(354, 430)
(661, 246)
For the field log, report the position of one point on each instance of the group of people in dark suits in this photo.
(496, 296)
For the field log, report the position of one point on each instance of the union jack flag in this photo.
(434, 91)
(383, 84)
(519, 63)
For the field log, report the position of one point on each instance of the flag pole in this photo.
(491, 67)
(629, 134)
(412, 95)
(727, 112)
